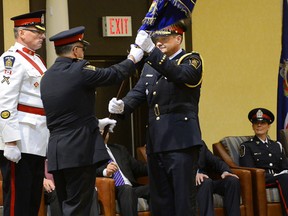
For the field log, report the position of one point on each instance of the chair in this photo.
(246, 191)
(266, 200)
(283, 139)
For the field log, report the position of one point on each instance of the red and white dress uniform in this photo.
(22, 119)
(20, 85)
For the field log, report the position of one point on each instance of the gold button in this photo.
(185, 118)
(157, 118)
(146, 83)
(154, 93)
(270, 154)
(271, 164)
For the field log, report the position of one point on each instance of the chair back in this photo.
(232, 146)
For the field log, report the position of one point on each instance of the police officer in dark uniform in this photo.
(262, 152)
(76, 146)
(227, 186)
(170, 83)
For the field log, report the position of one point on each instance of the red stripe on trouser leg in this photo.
(12, 195)
(282, 197)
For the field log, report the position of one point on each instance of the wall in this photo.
(106, 46)
(1, 29)
(12, 8)
(240, 42)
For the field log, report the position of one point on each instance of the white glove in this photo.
(144, 41)
(106, 121)
(12, 153)
(116, 106)
(136, 52)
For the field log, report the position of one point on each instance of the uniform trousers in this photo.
(229, 188)
(53, 207)
(127, 197)
(75, 189)
(282, 184)
(172, 182)
(22, 184)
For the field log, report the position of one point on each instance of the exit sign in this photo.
(117, 26)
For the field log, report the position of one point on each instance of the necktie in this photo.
(118, 177)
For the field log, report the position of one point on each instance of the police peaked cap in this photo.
(261, 114)
(176, 28)
(35, 19)
(69, 36)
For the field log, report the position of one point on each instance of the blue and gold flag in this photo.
(282, 100)
(163, 13)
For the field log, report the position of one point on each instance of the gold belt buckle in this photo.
(156, 110)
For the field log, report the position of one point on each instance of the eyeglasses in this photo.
(82, 47)
(34, 31)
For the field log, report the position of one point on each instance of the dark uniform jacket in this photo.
(172, 101)
(68, 94)
(209, 163)
(270, 156)
(129, 166)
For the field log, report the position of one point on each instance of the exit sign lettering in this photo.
(117, 26)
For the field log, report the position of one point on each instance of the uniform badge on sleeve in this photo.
(195, 63)
(242, 151)
(8, 61)
(5, 114)
(6, 79)
(90, 67)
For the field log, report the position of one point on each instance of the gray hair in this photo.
(65, 49)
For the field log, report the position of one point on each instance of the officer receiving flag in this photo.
(282, 105)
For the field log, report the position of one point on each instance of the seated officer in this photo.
(264, 153)
(228, 185)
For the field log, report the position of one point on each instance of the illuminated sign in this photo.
(117, 26)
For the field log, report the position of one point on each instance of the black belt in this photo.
(158, 110)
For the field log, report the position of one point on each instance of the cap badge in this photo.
(259, 114)
(42, 19)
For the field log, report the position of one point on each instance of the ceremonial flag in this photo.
(163, 13)
(282, 104)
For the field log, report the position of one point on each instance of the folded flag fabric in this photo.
(163, 13)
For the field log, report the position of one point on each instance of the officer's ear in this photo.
(74, 51)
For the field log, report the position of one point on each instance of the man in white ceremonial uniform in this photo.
(23, 131)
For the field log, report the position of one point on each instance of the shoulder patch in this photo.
(196, 63)
(8, 61)
(5, 114)
(242, 151)
(90, 67)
